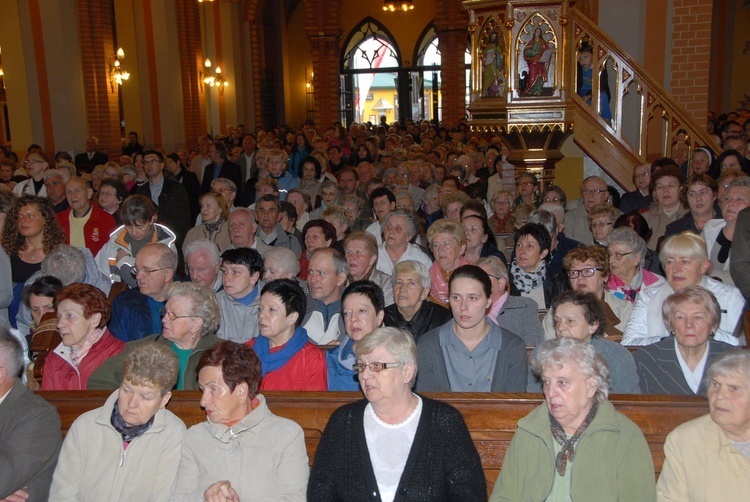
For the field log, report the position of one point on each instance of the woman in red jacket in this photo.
(82, 315)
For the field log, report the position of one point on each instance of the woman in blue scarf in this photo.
(289, 360)
(363, 309)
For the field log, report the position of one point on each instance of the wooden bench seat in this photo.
(491, 418)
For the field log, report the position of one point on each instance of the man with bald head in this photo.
(136, 313)
(593, 193)
(640, 199)
(86, 225)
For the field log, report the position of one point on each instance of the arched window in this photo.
(370, 67)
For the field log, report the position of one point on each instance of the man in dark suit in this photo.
(168, 194)
(246, 160)
(220, 167)
(89, 159)
(30, 437)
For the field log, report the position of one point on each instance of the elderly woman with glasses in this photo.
(628, 276)
(129, 449)
(602, 220)
(394, 441)
(707, 458)
(676, 365)
(190, 320)
(575, 446)
(587, 269)
(685, 261)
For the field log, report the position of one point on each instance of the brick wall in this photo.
(191, 61)
(98, 55)
(691, 48)
(451, 20)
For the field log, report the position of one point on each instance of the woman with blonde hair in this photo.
(214, 225)
(602, 221)
(447, 240)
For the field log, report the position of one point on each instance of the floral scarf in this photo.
(78, 353)
(527, 281)
(128, 432)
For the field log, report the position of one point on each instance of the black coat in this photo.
(428, 317)
(174, 207)
(82, 161)
(443, 463)
(228, 170)
(190, 182)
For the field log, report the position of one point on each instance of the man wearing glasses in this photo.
(136, 312)
(640, 199)
(593, 193)
(168, 194)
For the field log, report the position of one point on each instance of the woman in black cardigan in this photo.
(394, 445)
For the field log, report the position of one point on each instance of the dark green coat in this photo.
(108, 376)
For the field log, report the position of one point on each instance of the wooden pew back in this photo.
(491, 418)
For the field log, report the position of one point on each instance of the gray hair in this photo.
(432, 188)
(204, 302)
(556, 209)
(350, 197)
(204, 245)
(67, 263)
(411, 221)
(285, 258)
(60, 173)
(499, 270)
(628, 237)
(741, 182)
(11, 352)
(735, 361)
(229, 184)
(399, 344)
(413, 267)
(129, 169)
(583, 356)
(544, 218)
(696, 295)
(339, 262)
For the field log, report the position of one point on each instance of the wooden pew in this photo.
(491, 418)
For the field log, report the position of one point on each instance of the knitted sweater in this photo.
(443, 463)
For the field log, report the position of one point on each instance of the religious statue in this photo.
(493, 67)
(538, 56)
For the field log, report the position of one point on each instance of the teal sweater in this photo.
(612, 461)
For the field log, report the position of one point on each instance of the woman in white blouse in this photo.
(394, 442)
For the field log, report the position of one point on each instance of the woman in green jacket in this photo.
(575, 446)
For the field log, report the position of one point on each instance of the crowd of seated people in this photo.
(388, 260)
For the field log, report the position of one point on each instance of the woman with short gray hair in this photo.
(399, 228)
(411, 311)
(394, 441)
(708, 458)
(566, 449)
(627, 274)
(190, 321)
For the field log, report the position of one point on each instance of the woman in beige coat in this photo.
(129, 449)
(709, 458)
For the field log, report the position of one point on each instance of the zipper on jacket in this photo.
(122, 457)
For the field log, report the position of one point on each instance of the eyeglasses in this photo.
(601, 224)
(151, 161)
(592, 192)
(374, 367)
(171, 315)
(32, 161)
(618, 256)
(146, 271)
(586, 272)
(549, 199)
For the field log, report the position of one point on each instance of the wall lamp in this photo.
(117, 72)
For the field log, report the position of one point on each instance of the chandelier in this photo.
(394, 5)
(117, 73)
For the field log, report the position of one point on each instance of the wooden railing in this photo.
(646, 120)
(490, 418)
